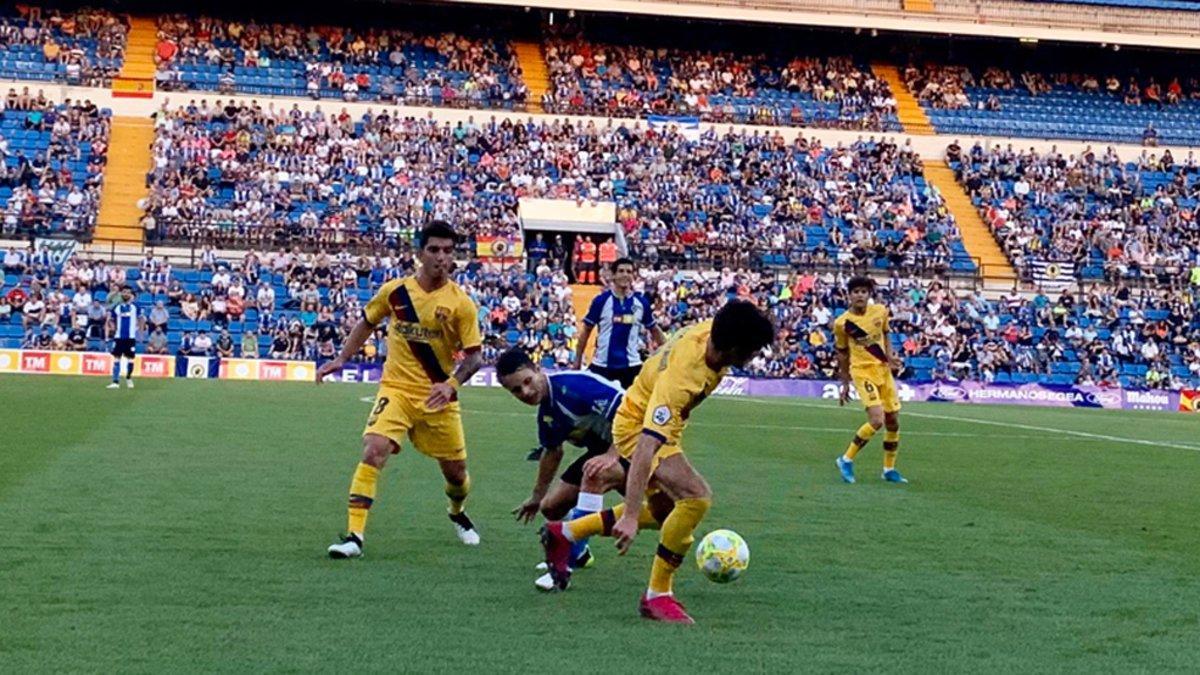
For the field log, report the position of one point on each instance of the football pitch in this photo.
(182, 526)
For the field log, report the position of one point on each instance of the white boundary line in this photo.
(993, 423)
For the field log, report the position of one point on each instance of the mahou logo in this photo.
(731, 386)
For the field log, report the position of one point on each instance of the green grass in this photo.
(183, 525)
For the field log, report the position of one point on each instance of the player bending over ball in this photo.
(865, 357)
(430, 319)
(646, 432)
(575, 407)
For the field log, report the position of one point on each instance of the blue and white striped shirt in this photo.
(578, 408)
(619, 340)
(125, 317)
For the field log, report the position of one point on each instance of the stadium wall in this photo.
(1053, 22)
(267, 370)
(928, 147)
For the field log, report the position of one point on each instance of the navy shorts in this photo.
(125, 348)
(625, 376)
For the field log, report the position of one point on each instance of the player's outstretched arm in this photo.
(895, 361)
(354, 342)
(658, 336)
(626, 528)
(442, 393)
(843, 361)
(581, 345)
(547, 467)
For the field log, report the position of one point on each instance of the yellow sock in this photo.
(601, 523)
(675, 541)
(891, 445)
(861, 438)
(362, 496)
(458, 495)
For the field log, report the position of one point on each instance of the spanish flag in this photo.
(1189, 400)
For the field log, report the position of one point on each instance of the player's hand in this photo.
(896, 362)
(527, 510)
(600, 464)
(624, 532)
(329, 367)
(440, 396)
(844, 393)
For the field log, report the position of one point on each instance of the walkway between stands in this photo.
(976, 236)
(137, 75)
(533, 67)
(911, 115)
(125, 181)
(581, 299)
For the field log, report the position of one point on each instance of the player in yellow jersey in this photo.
(865, 357)
(430, 319)
(647, 433)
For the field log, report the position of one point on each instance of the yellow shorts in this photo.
(627, 429)
(435, 434)
(876, 388)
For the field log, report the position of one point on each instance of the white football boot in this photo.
(465, 529)
(349, 547)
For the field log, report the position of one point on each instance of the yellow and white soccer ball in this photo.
(722, 556)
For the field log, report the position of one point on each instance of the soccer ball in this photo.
(722, 556)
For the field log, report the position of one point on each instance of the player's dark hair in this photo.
(511, 361)
(861, 282)
(741, 328)
(622, 261)
(438, 229)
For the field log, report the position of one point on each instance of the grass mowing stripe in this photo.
(782, 427)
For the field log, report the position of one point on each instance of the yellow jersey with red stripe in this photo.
(425, 330)
(672, 383)
(863, 335)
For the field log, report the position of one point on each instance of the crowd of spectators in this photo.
(51, 179)
(283, 304)
(242, 174)
(87, 43)
(1098, 336)
(633, 81)
(947, 86)
(1109, 218)
(365, 63)
(288, 304)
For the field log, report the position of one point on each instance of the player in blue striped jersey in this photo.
(575, 407)
(618, 315)
(123, 324)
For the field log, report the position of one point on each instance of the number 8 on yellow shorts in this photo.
(436, 434)
(876, 388)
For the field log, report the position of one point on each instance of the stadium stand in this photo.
(81, 47)
(1139, 338)
(54, 157)
(352, 64)
(1180, 5)
(1108, 218)
(716, 199)
(284, 304)
(291, 305)
(725, 86)
(1076, 106)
